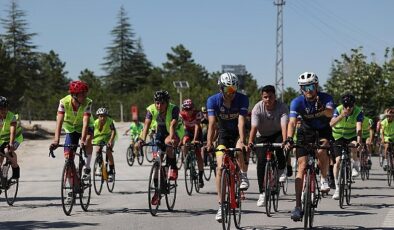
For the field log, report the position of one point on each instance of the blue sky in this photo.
(216, 31)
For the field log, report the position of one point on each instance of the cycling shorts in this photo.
(229, 140)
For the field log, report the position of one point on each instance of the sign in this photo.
(134, 112)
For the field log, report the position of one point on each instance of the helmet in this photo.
(203, 109)
(308, 78)
(228, 79)
(102, 111)
(161, 96)
(3, 102)
(188, 104)
(76, 87)
(348, 99)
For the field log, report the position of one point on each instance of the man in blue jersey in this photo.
(228, 110)
(315, 109)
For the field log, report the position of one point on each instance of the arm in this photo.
(336, 119)
(59, 124)
(85, 128)
(252, 134)
(211, 129)
(291, 127)
(241, 129)
(146, 128)
(172, 128)
(283, 124)
(113, 133)
(382, 133)
(359, 132)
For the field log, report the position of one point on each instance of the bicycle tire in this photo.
(130, 156)
(148, 153)
(140, 156)
(267, 183)
(188, 176)
(97, 176)
(12, 186)
(348, 186)
(171, 195)
(307, 200)
(225, 199)
(111, 181)
(285, 185)
(154, 188)
(237, 212)
(179, 158)
(67, 187)
(207, 168)
(85, 193)
(389, 170)
(276, 189)
(342, 182)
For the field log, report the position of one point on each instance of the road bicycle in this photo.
(72, 182)
(133, 153)
(8, 184)
(191, 170)
(160, 184)
(101, 171)
(150, 149)
(271, 183)
(179, 156)
(390, 164)
(311, 193)
(364, 165)
(209, 165)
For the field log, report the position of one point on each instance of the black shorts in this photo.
(229, 140)
(343, 142)
(306, 136)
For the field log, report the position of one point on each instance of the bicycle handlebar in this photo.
(51, 154)
(259, 145)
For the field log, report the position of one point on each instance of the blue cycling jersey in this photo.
(228, 117)
(311, 116)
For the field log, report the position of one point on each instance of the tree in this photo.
(289, 94)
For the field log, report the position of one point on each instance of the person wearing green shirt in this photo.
(10, 136)
(105, 133)
(135, 129)
(346, 126)
(368, 136)
(387, 133)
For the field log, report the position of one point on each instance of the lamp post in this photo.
(121, 110)
(179, 85)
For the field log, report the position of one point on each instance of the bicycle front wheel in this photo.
(275, 188)
(67, 187)
(130, 155)
(85, 192)
(148, 150)
(188, 176)
(97, 176)
(237, 212)
(225, 199)
(171, 194)
(348, 187)
(179, 158)
(207, 167)
(342, 183)
(12, 186)
(111, 180)
(390, 168)
(268, 179)
(307, 204)
(154, 194)
(140, 156)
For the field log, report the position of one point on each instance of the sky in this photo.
(217, 32)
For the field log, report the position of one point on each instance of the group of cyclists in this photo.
(222, 121)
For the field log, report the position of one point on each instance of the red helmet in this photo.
(78, 87)
(187, 104)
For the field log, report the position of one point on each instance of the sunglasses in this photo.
(306, 88)
(229, 89)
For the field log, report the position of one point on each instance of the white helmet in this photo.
(102, 111)
(308, 78)
(228, 79)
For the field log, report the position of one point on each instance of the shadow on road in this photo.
(28, 225)
(315, 227)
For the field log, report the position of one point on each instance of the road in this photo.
(39, 206)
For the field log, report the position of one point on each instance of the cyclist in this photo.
(105, 133)
(10, 136)
(269, 121)
(204, 123)
(315, 109)
(74, 115)
(228, 108)
(346, 126)
(387, 133)
(368, 129)
(169, 130)
(135, 129)
(192, 124)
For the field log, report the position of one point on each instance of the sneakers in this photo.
(324, 186)
(296, 214)
(244, 182)
(155, 199)
(261, 200)
(354, 172)
(218, 216)
(86, 173)
(335, 196)
(173, 174)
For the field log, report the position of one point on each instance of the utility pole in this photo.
(279, 81)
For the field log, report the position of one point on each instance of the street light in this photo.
(179, 85)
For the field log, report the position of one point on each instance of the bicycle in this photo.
(101, 171)
(271, 178)
(345, 175)
(253, 157)
(364, 166)
(71, 181)
(159, 184)
(191, 174)
(151, 149)
(8, 184)
(311, 193)
(180, 158)
(231, 194)
(131, 154)
(209, 166)
(390, 164)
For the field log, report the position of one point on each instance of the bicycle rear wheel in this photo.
(12, 186)
(67, 187)
(268, 178)
(140, 156)
(148, 150)
(97, 176)
(85, 193)
(171, 195)
(237, 212)
(111, 180)
(225, 199)
(154, 194)
(307, 204)
(130, 155)
(207, 167)
(188, 175)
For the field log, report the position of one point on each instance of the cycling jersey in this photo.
(103, 135)
(388, 130)
(228, 117)
(136, 129)
(73, 117)
(5, 125)
(163, 123)
(366, 126)
(190, 121)
(346, 128)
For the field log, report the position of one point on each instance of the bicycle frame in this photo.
(229, 162)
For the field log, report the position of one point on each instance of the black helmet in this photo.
(3, 102)
(348, 100)
(161, 96)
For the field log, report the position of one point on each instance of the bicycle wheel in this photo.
(380, 156)
(307, 204)
(268, 178)
(275, 188)
(254, 157)
(153, 189)
(67, 187)
(85, 192)
(140, 156)
(188, 175)
(148, 150)
(12, 186)
(111, 180)
(195, 175)
(207, 168)
(97, 176)
(130, 155)
(171, 195)
(284, 185)
(225, 199)
(237, 212)
(348, 187)
(342, 183)
(389, 169)
(179, 158)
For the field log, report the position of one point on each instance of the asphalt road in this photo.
(39, 206)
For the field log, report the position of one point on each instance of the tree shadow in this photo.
(29, 225)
